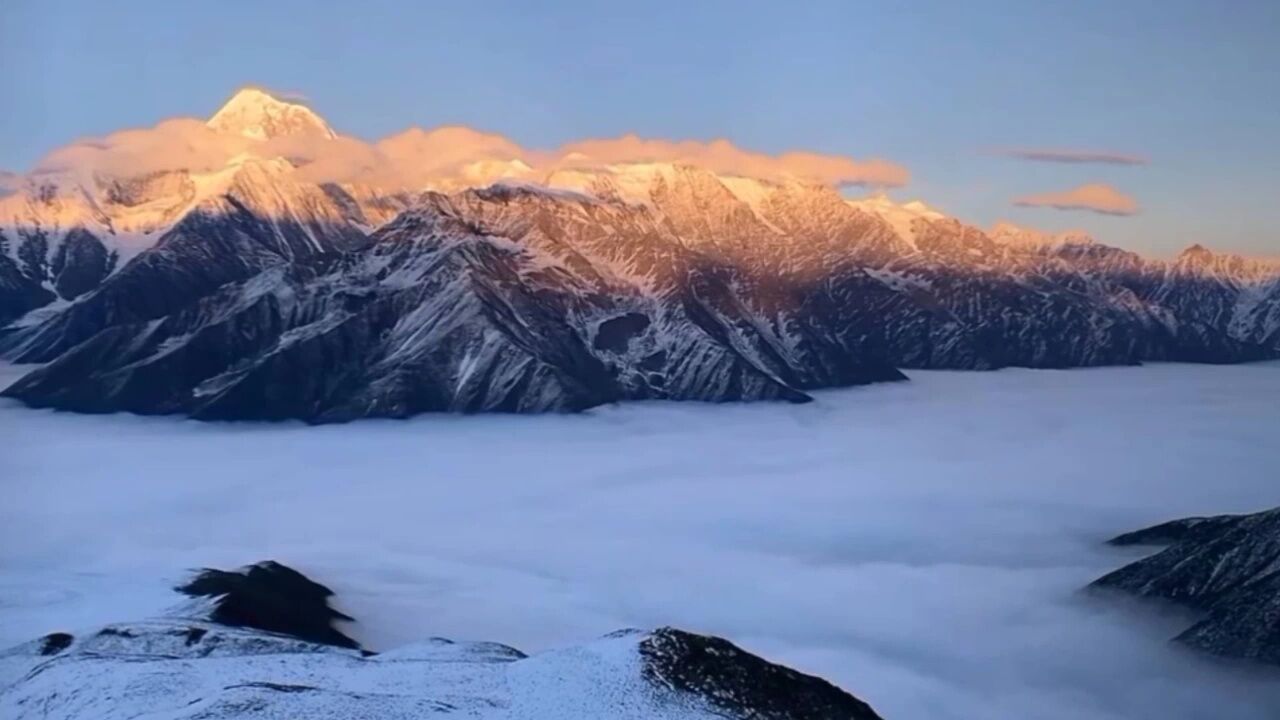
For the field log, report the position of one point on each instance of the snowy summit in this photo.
(256, 114)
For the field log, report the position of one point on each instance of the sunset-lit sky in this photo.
(1170, 110)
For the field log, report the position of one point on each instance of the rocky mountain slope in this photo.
(259, 643)
(254, 290)
(1226, 567)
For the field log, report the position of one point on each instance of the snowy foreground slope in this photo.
(259, 289)
(247, 650)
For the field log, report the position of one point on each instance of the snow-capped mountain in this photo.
(262, 288)
(67, 226)
(256, 114)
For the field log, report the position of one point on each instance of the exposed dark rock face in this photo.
(80, 264)
(615, 333)
(269, 596)
(266, 651)
(33, 254)
(1226, 567)
(19, 294)
(741, 684)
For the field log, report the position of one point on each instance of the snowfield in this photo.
(922, 545)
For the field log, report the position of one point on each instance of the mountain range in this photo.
(246, 279)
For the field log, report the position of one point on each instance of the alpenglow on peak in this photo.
(256, 114)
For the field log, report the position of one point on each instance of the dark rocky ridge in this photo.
(254, 657)
(1226, 567)
(742, 684)
(1191, 529)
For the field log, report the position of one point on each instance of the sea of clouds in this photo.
(921, 544)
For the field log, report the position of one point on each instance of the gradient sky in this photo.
(1193, 87)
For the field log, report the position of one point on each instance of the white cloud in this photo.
(176, 144)
(1095, 197)
(1080, 157)
(722, 156)
(443, 155)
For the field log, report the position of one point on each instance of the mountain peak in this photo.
(1196, 255)
(1014, 235)
(256, 114)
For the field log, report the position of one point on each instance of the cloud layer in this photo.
(723, 157)
(923, 550)
(443, 156)
(1073, 156)
(1094, 197)
(175, 144)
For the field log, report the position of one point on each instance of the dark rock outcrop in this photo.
(1225, 567)
(269, 596)
(54, 643)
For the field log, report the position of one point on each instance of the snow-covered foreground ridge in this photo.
(258, 643)
(274, 268)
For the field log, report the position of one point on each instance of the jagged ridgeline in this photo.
(253, 290)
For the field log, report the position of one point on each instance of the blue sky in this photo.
(934, 86)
